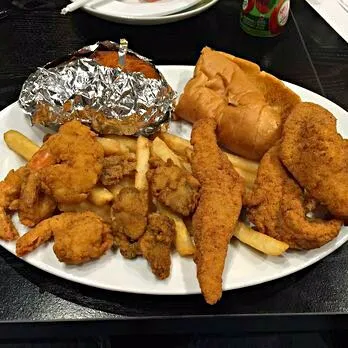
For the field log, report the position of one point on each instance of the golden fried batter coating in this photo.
(218, 208)
(78, 237)
(317, 156)
(116, 167)
(174, 187)
(157, 242)
(69, 163)
(129, 248)
(277, 207)
(129, 219)
(7, 229)
(34, 204)
(10, 189)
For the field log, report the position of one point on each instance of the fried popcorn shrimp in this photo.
(34, 204)
(78, 237)
(69, 163)
(10, 189)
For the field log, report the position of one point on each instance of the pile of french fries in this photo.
(165, 146)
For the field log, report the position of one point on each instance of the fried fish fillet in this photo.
(218, 208)
(278, 208)
(317, 156)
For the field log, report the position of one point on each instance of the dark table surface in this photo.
(309, 53)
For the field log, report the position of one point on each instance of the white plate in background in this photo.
(332, 11)
(106, 13)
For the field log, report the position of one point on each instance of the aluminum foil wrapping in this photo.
(108, 99)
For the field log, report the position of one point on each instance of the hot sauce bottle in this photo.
(264, 18)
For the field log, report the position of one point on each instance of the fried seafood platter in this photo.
(176, 213)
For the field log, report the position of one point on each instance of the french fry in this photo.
(160, 149)
(127, 141)
(100, 195)
(184, 148)
(143, 156)
(126, 181)
(243, 163)
(112, 146)
(183, 241)
(249, 178)
(20, 144)
(259, 241)
(103, 211)
(177, 144)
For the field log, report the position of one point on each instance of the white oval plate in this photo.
(244, 266)
(101, 9)
(140, 9)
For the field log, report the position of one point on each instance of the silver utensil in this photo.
(4, 13)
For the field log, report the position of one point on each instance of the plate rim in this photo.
(185, 4)
(183, 291)
(151, 19)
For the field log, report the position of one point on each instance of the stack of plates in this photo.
(146, 12)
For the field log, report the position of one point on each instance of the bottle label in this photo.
(264, 17)
(245, 4)
(284, 13)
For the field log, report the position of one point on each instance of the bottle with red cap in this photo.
(264, 18)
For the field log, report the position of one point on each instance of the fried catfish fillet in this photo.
(278, 207)
(317, 156)
(218, 208)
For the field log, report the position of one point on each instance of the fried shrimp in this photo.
(10, 189)
(78, 237)
(277, 206)
(69, 163)
(7, 230)
(34, 204)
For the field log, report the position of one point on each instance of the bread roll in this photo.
(249, 105)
